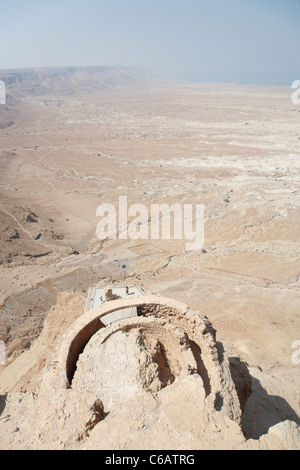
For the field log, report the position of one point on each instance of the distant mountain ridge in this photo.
(72, 79)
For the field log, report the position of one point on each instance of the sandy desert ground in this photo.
(233, 148)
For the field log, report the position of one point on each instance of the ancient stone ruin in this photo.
(144, 372)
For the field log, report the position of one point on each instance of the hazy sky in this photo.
(246, 41)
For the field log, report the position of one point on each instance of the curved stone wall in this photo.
(195, 338)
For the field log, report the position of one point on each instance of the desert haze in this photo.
(76, 137)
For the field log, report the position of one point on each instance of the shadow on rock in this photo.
(2, 403)
(260, 410)
(263, 411)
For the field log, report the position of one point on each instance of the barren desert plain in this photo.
(75, 138)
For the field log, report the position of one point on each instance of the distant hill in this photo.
(70, 80)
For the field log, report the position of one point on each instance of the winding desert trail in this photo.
(71, 145)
